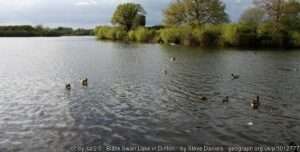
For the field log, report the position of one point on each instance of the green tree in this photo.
(195, 12)
(129, 15)
(291, 17)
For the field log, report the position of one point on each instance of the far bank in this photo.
(40, 31)
(208, 35)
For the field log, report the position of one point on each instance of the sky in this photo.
(87, 13)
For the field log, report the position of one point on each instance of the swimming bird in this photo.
(68, 86)
(84, 82)
(255, 103)
(203, 98)
(226, 99)
(250, 124)
(173, 59)
(235, 76)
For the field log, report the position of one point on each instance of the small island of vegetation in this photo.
(30, 31)
(268, 23)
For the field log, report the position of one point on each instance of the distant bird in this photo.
(234, 76)
(172, 44)
(226, 99)
(203, 98)
(165, 72)
(68, 86)
(84, 82)
(255, 103)
(173, 59)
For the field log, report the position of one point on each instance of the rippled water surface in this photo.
(130, 100)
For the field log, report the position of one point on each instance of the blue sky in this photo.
(87, 13)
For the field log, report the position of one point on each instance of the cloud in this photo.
(86, 3)
(88, 13)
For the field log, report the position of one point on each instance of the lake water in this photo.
(129, 100)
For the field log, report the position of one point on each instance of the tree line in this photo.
(268, 23)
(29, 31)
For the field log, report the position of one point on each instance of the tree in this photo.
(140, 20)
(129, 15)
(291, 16)
(253, 16)
(195, 12)
(280, 12)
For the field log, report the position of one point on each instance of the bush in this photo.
(144, 35)
(208, 36)
(186, 34)
(229, 34)
(120, 34)
(246, 36)
(111, 33)
(157, 38)
(236, 35)
(170, 35)
(131, 35)
(296, 39)
(268, 36)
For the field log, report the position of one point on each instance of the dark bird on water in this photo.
(226, 99)
(84, 82)
(255, 103)
(68, 86)
(234, 76)
(203, 98)
(173, 59)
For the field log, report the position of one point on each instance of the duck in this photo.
(255, 103)
(226, 99)
(203, 98)
(234, 76)
(173, 59)
(84, 82)
(68, 86)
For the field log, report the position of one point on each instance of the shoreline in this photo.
(204, 36)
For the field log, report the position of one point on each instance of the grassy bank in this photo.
(222, 35)
(30, 31)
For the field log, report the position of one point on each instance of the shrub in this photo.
(111, 33)
(170, 35)
(120, 34)
(144, 35)
(186, 35)
(157, 38)
(268, 36)
(229, 34)
(131, 35)
(296, 39)
(246, 36)
(208, 36)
